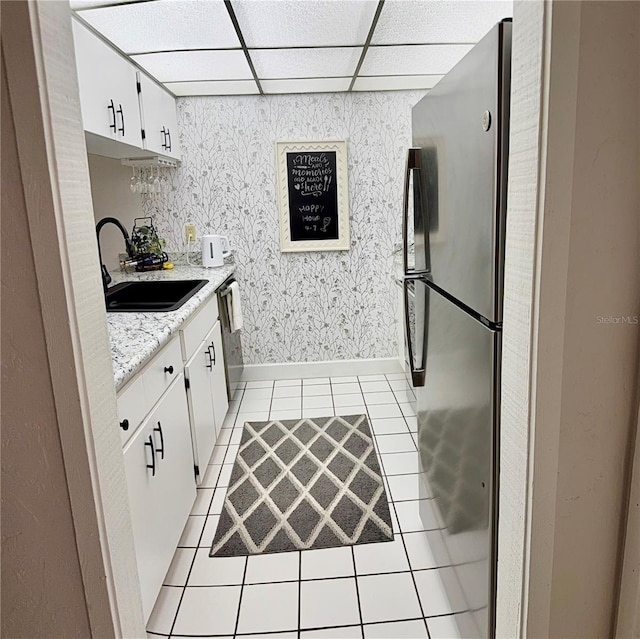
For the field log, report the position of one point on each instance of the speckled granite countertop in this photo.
(135, 337)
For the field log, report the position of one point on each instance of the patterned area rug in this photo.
(301, 484)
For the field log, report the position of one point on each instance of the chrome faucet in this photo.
(106, 278)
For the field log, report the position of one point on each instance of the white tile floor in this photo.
(370, 591)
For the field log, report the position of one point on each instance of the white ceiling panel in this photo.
(435, 59)
(304, 23)
(305, 63)
(77, 5)
(396, 82)
(222, 87)
(308, 85)
(438, 21)
(182, 66)
(165, 25)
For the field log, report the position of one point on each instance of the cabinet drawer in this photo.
(198, 327)
(161, 371)
(132, 407)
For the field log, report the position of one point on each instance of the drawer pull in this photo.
(121, 129)
(124, 424)
(161, 449)
(112, 108)
(212, 346)
(153, 456)
(168, 369)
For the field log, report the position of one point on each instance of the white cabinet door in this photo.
(159, 468)
(218, 378)
(108, 89)
(159, 119)
(198, 371)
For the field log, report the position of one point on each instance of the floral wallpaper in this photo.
(297, 306)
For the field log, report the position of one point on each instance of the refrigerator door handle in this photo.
(417, 374)
(414, 163)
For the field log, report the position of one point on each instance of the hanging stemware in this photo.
(156, 182)
(133, 182)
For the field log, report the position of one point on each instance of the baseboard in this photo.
(334, 368)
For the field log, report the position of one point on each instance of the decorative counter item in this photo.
(313, 197)
(148, 247)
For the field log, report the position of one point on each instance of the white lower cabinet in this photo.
(207, 393)
(166, 432)
(159, 469)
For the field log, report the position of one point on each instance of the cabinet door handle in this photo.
(207, 354)
(112, 108)
(153, 456)
(124, 424)
(164, 138)
(168, 147)
(168, 369)
(212, 346)
(121, 118)
(160, 450)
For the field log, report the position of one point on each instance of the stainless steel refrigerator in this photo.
(454, 218)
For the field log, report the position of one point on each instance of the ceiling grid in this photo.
(240, 47)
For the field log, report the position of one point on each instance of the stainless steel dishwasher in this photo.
(231, 342)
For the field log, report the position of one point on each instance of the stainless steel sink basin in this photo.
(152, 296)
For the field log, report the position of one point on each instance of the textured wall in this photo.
(568, 379)
(298, 307)
(36, 510)
(522, 198)
(65, 573)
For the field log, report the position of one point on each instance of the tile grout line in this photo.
(244, 576)
(338, 577)
(299, 593)
(184, 588)
(355, 579)
(275, 633)
(411, 570)
(273, 388)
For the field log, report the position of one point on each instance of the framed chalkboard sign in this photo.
(313, 197)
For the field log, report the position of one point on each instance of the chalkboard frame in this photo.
(342, 243)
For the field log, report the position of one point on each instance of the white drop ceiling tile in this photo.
(438, 21)
(395, 82)
(183, 66)
(165, 25)
(311, 85)
(294, 23)
(332, 62)
(77, 5)
(222, 87)
(435, 59)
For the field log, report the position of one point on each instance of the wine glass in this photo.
(149, 181)
(156, 182)
(164, 183)
(134, 181)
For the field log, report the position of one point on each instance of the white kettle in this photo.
(214, 249)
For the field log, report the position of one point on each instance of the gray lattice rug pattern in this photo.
(301, 484)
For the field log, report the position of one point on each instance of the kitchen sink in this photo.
(151, 296)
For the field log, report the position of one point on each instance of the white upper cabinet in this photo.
(108, 91)
(159, 119)
(114, 112)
